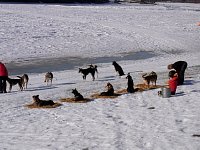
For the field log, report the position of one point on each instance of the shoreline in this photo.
(68, 63)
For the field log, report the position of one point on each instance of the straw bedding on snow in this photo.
(140, 88)
(73, 100)
(47, 106)
(97, 95)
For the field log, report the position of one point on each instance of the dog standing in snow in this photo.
(24, 80)
(48, 77)
(151, 77)
(118, 68)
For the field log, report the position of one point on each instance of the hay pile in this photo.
(73, 100)
(123, 91)
(97, 95)
(47, 106)
(144, 87)
(140, 88)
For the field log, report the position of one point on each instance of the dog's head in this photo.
(128, 76)
(114, 63)
(80, 70)
(152, 74)
(49, 75)
(109, 85)
(35, 98)
(74, 91)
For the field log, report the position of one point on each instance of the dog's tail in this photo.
(95, 67)
(8, 79)
(144, 75)
(19, 77)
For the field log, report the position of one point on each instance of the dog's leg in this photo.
(84, 77)
(47, 82)
(148, 83)
(20, 87)
(93, 76)
(10, 88)
(26, 85)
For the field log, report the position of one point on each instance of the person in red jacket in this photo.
(3, 78)
(173, 81)
(180, 67)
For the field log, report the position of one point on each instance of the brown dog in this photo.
(151, 77)
(24, 80)
(38, 102)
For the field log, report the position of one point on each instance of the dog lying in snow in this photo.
(110, 90)
(38, 102)
(77, 95)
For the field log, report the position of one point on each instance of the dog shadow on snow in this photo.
(107, 78)
(45, 87)
(190, 82)
(41, 88)
(58, 84)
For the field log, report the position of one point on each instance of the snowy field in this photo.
(36, 38)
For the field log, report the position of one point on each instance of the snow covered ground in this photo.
(36, 38)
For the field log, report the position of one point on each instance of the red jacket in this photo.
(3, 70)
(173, 82)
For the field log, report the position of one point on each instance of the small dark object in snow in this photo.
(196, 135)
(151, 108)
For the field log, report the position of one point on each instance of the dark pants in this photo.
(181, 74)
(172, 93)
(3, 84)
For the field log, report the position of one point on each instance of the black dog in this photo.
(13, 82)
(77, 95)
(38, 102)
(92, 69)
(110, 90)
(118, 68)
(130, 83)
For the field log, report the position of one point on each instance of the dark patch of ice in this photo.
(41, 65)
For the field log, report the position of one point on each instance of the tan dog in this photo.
(38, 102)
(48, 77)
(151, 77)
